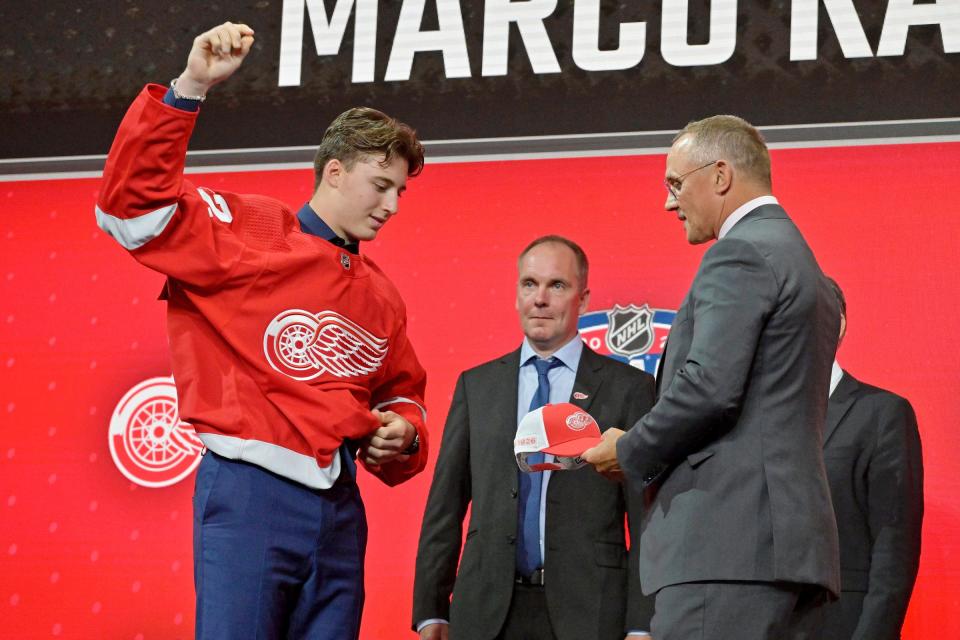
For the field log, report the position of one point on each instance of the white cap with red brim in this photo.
(563, 430)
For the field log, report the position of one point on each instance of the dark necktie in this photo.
(528, 550)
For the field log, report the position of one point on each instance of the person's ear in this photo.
(723, 177)
(333, 172)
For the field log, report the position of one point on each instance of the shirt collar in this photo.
(313, 224)
(743, 210)
(835, 374)
(568, 354)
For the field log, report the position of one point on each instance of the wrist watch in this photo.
(414, 446)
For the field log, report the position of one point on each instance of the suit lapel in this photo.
(658, 377)
(839, 404)
(588, 379)
(504, 394)
(673, 336)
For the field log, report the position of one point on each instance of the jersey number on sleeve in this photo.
(216, 205)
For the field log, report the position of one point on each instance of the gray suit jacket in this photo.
(875, 468)
(731, 454)
(591, 583)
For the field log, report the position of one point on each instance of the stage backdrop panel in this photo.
(469, 71)
(87, 553)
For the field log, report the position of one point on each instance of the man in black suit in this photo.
(580, 582)
(739, 539)
(874, 464)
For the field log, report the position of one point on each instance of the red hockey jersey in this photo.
(281, 342)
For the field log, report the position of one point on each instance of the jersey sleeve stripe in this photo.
(133, 233)
(402, 400)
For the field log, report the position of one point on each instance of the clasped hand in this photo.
(389, 441)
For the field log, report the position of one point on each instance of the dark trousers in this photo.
(840, 618)
(274, 559)
(527, 618)
(741, 610)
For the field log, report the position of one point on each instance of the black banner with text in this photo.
(464, 70)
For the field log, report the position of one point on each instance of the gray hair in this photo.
(732, 139)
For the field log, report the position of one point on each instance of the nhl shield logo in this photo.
(345, 261)
(622, 333)
(631, 330)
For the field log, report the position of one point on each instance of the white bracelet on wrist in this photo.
(180, 96)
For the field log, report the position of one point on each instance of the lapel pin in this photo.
(579, 395)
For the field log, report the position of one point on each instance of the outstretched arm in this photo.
(167, 223)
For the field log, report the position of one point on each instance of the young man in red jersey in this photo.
(289, 350)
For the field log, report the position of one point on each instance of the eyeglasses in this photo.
(674, 185)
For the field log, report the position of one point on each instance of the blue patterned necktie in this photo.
(528, 550)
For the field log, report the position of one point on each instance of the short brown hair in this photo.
(729, 138)
(583, 265)
(363, 131)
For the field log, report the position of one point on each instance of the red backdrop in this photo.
(85, 553)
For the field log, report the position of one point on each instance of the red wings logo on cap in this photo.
(303, 345)
(578, 421)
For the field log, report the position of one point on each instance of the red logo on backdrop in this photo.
(304, 345)
(148, 442)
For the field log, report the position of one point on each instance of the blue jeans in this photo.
(276, 559)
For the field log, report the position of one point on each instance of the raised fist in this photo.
(215, 55)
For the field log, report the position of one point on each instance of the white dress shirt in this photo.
(835, 374)
(561, 386)
(743, 210)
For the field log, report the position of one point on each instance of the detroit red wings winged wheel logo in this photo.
(149, 444)
(578, 421)
(304, 345)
